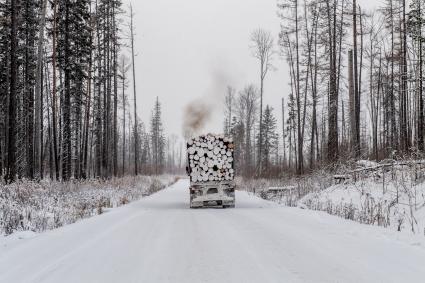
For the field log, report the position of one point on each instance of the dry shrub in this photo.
(40, 206)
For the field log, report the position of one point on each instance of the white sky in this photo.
(195, 48)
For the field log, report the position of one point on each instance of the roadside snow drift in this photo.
(159, 239)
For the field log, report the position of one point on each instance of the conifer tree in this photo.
(269, 140)
(158, 139)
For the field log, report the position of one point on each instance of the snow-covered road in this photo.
(159, 239)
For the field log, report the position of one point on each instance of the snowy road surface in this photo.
(158, 239)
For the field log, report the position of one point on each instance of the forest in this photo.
(68, 107)
(66, 111)
(356, 88)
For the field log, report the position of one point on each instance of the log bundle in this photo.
(210, 158)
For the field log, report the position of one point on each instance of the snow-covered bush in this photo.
(389, 196)
(40, 206)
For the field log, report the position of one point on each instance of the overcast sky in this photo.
(193, 49)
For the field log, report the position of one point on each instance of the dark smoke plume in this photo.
(196, 115)
(200, 111)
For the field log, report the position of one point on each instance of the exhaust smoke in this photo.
(196, 115)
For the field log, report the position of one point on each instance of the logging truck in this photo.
(211, 172)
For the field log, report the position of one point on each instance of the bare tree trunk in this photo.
(38, 107)
(343, 125)
(314, 100)
(54, 123)
(359, 91)
(84, 171)
(352, 100)
(283, 133)
(260, 141)
(123, 123)
(47, 84)
(98, 100)
(106, 98)
(136, 143)
(421, 145)
(66, 105)
(115, 74)
(393, 137)
(376, 118)
(356, 138)
(11, 160)
(404, 94)
(333, 152)
(300, 164)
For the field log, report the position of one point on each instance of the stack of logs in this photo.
(210, 158)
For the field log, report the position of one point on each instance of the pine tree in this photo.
(123, 70)
(73, 33)
(26, 130)
(158, 139)
(38, 96)
(414, 28)
(4, 82)
(11, 138)
(270, 138)
(136, 142)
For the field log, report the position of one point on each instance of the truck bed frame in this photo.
(212, 194)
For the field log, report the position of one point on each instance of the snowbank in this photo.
(389, 198)
(32, 206)
(389, 195)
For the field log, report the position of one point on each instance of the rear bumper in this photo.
(212, 203)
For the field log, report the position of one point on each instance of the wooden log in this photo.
(210, 163)
(201, 152)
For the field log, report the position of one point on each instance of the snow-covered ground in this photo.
(159, 239)
(391, 195)
(39, 206)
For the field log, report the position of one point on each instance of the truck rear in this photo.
(211, 171)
